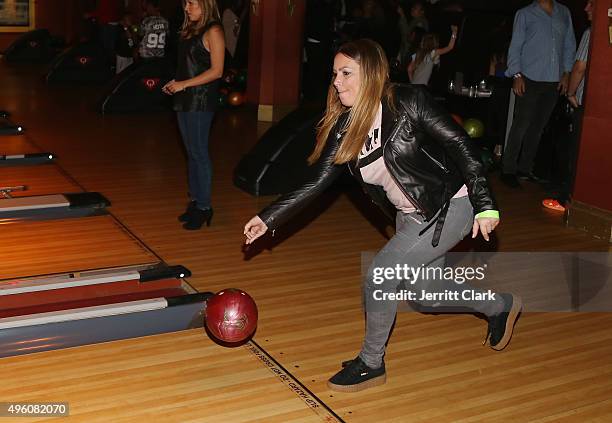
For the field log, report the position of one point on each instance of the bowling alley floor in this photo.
(306, 282)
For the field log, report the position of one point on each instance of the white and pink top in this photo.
(374, 171)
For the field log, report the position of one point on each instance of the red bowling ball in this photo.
(231, 315)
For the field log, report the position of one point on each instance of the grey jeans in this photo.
(409, 250)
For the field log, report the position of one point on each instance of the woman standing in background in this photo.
(201, 53)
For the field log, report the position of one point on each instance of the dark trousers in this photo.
(195, 129)
(531, 114)
(567, 153)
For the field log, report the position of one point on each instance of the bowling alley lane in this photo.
(15, 144)
(175, 377)
(31, 248)
(37, 180)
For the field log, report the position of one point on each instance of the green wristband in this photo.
(488, 213)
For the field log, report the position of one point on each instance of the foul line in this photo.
(305, 394)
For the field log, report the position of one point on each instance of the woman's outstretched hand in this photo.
(254, 229)
(486, 225)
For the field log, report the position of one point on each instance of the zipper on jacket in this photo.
(410, 199)
(437, 162)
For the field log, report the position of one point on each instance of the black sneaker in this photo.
(357, 376)
(501, 325)
(510, 180)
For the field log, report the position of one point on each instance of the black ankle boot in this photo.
(197, 219)
(188, 211)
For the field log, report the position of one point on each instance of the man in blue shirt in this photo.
(540, 57)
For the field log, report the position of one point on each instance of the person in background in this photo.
(540, 57)
(404, 33)
(154, 30)
(232, 17)
(428, 55)
(498, 63)
(201, 55)
(126, 43)
(575, 96)
(407, 26)
(108, 13)
(417, 19)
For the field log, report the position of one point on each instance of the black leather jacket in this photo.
(426, 152)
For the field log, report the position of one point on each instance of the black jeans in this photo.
(568, 155)
(531, 114)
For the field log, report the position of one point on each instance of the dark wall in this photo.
(64, 17)
(60, 17)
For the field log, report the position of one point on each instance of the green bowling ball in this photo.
(474, 127)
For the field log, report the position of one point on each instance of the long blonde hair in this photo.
(374, 77)
(210, 13)
(429, 43)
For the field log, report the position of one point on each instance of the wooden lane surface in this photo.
(176, 377)
(306, 280)
(31, 248)
(39, 180)
(16, 144)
